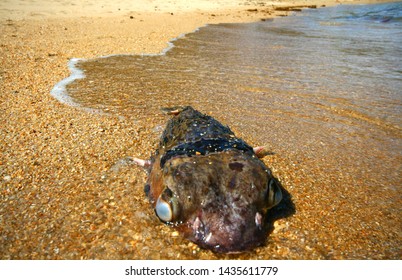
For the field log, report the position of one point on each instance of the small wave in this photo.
(383, 13)
(59, 91)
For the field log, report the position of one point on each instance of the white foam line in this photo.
(59, 91)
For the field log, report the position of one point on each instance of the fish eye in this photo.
(274, 193)
(167, 206)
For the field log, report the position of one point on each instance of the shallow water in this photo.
(343, 61)
(322, 89)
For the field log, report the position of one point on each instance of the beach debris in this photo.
(294, 8)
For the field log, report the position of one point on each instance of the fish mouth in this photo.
(220, 235)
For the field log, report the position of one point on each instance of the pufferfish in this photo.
(209, 184)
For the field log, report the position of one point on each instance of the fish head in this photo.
(219, 200)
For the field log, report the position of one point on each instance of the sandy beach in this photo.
(58, 199)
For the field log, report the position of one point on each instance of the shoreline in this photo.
(273, 11)
(47, 9)
(58, 200)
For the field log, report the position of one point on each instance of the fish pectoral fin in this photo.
(141, 162)
(262, 151)
(125, 162)
(173, 110)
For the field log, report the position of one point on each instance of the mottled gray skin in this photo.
(218, 187)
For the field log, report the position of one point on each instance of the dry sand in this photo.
(55, 201)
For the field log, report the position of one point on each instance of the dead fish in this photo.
(210, 185)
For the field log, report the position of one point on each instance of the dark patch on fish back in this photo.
(191, 133)
(204, 147)
(237, 166)
(192, 126)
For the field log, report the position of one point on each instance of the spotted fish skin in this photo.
(209, 184)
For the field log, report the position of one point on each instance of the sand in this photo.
(58, 197)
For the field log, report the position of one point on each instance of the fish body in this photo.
(209, 184)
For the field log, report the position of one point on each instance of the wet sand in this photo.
(61, 200)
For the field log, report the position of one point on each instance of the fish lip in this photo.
(234, 248)
(202, 235)
(199, 229)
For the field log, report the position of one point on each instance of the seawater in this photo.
(319, 76)
(351, 53)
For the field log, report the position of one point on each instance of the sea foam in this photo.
(59, 91)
